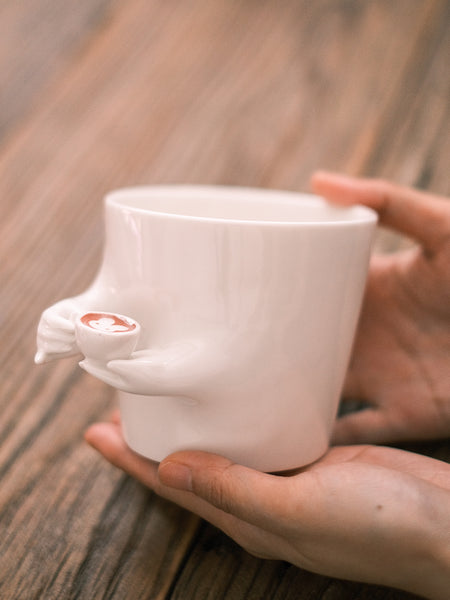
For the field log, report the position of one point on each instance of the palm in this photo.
(401, 355)
(308, 518)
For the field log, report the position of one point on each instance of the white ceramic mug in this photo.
(248, 302)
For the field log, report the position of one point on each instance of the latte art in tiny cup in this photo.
(105, 336)
(108, 322)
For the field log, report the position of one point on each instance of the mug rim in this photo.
(345, 216)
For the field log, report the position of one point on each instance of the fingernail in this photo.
(175, 475)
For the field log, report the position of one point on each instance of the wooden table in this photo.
(97, 94)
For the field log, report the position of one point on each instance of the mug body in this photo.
(265, 287)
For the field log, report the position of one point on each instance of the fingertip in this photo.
(105, 438)
(39, 358)
(335, 187)
(95, 433)
(108, 440)
(118, 366)
(115, 417)
(317, 179)
(62, 323)
(321, 175)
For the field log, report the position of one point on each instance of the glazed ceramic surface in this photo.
(247, 302)
(103, 337)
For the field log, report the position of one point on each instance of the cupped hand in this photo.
(401, 358)
(56, 332)
(170, 370)
(371, 514)
(56, 329)
(144, 372)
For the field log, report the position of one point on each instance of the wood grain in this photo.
(99, 94)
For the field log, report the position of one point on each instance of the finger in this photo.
(351, 405)
(55, 321)
(353, 385)
(108, 440)
(55, 335)
(56, 349)
(55, 346)
(103, 373)
(257, 498)
(115, 417)
(139, 360)
(368, 426)
(420, 215)
(119, 367)
(42, 356)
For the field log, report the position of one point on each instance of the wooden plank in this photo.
(38, 40)
(410, 134)
(78, 526)
(408, 141)
(254, 93)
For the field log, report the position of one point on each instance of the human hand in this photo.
(401, 357)
(371, 514)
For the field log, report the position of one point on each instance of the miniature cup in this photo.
(105, 336)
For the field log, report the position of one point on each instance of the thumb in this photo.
(250, 495)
